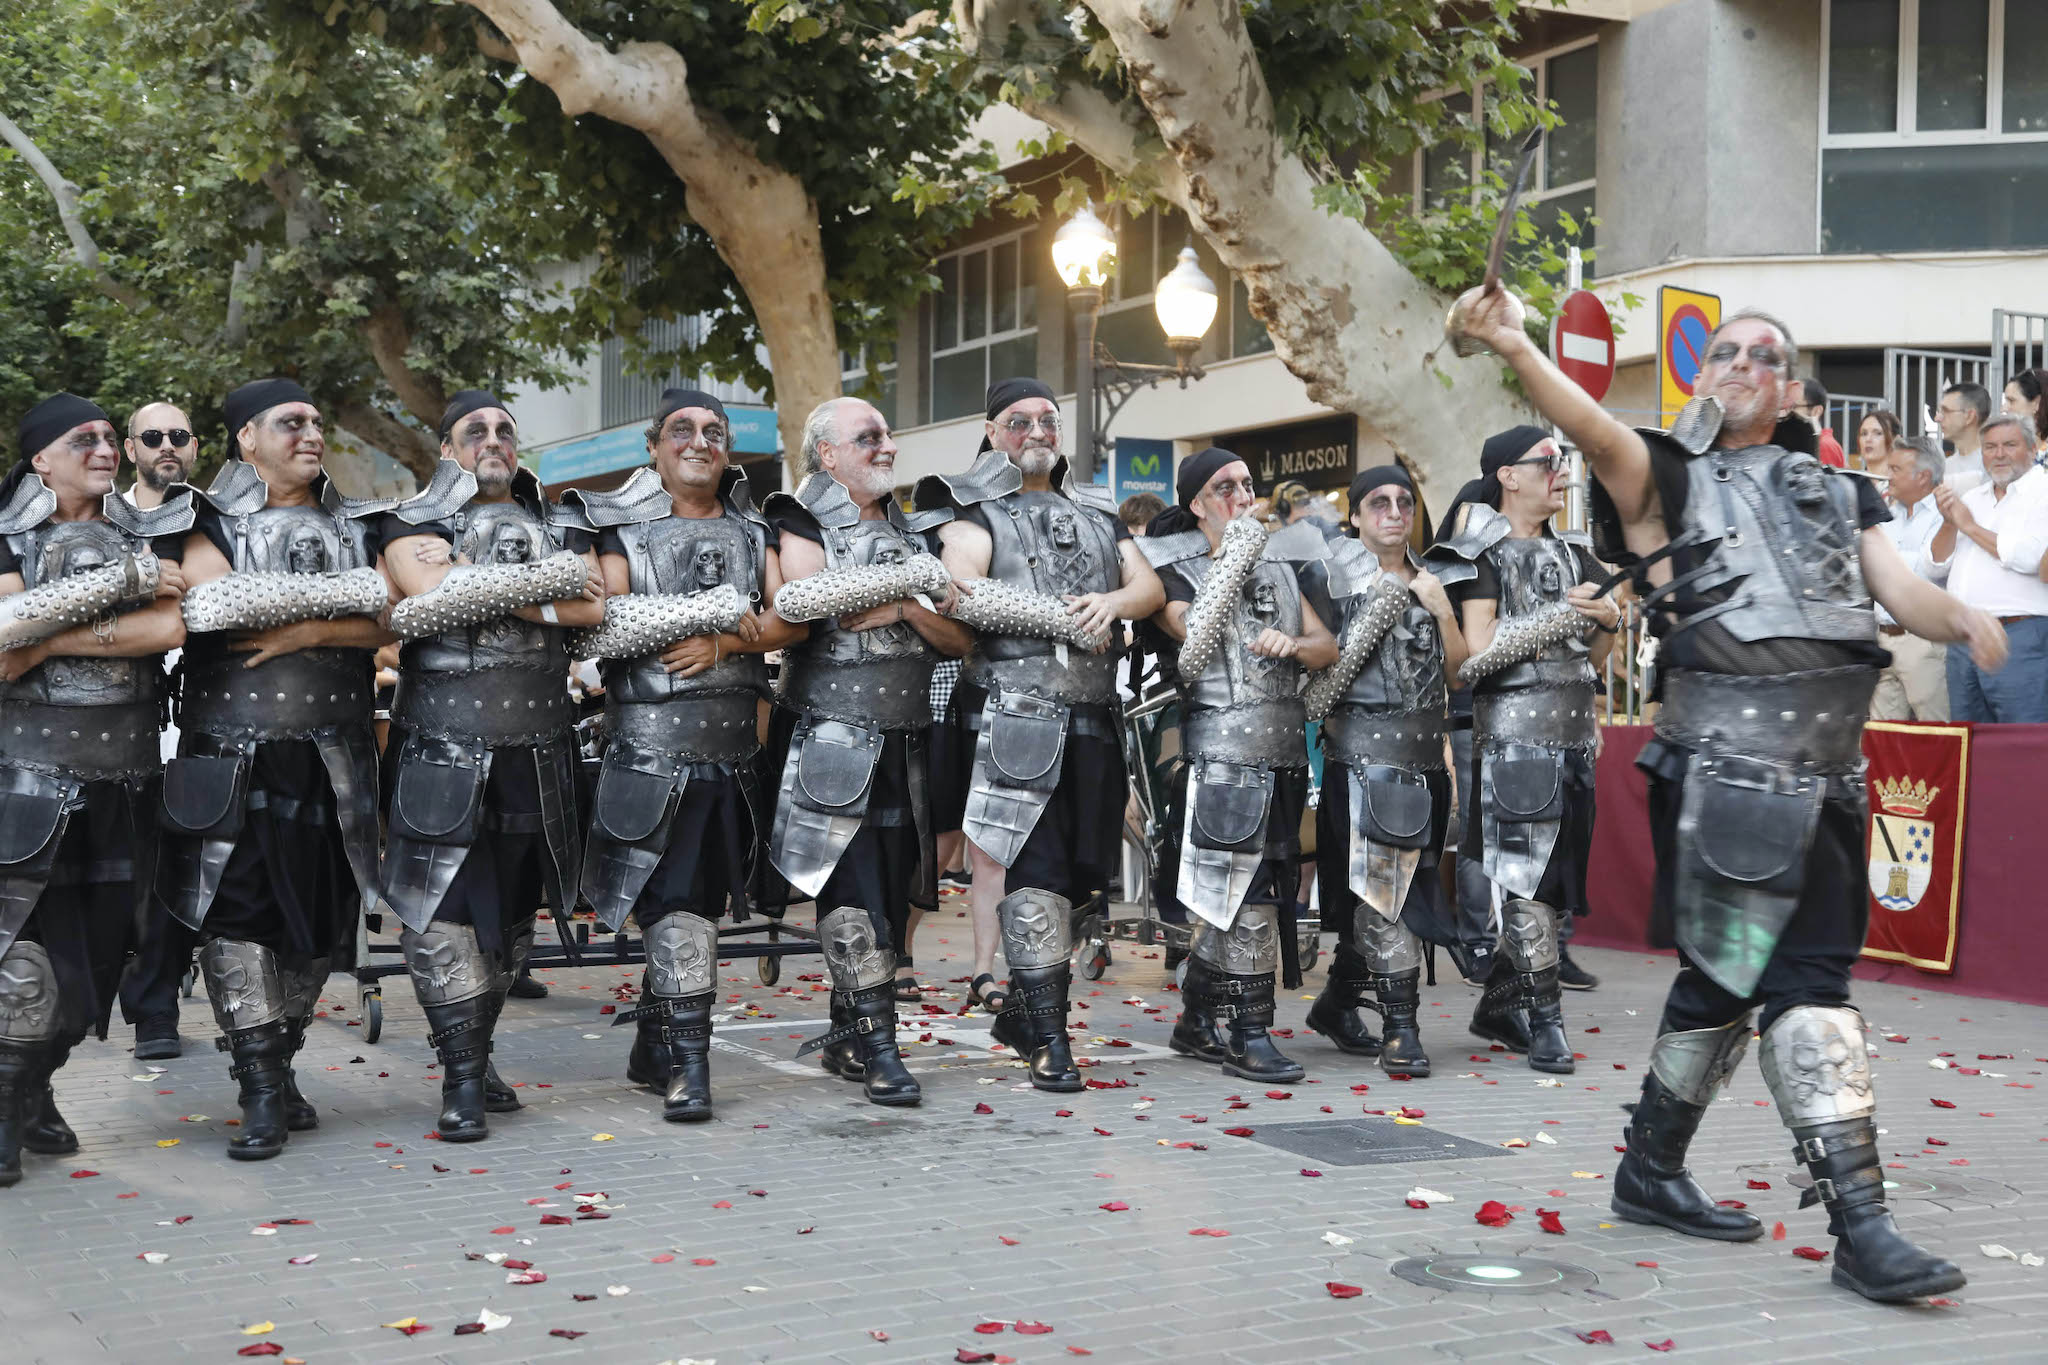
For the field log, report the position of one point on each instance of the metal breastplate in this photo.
(1236, 676)
(294, 694)
(673, 555)
(878, 677)
(1048, 543)
(495, 533)
(1406, 672)
(1535, 574)
(866, 542)
(58, 549)
(1785, 547)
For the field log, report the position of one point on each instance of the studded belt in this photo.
(1813, 720)
(1404, 739)
(97, 743)
(712, 727)
(894, 693)
(1559, 717)
(492, 706)
(290, 697)
(1270, 732)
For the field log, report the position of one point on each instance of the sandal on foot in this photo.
(908, 992)
(989, 998)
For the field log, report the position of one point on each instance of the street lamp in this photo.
(1084, 253)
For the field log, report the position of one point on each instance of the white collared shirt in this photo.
(1964, 472)
(1910, 531)
(2008, 583)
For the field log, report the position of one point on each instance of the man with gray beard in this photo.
(1048, 575)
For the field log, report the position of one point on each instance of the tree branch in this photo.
(373, 426)
(388, 337)
(65, 193)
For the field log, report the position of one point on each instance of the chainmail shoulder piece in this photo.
(1515, 641)
(1385, 601)
(842, 592)
(475, 593)
(1244, 540)
(54, 607)
(638, 624)
(258, 601)
(995, 607)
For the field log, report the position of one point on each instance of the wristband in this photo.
(549, 614)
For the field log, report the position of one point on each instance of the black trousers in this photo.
(156, 974)
(1423, 913)
(711, 840)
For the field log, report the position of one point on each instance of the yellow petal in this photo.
(1412, 1123)
(167, 1142)
(601, 1137)
(1585, 1175)
(402, 1322)
(257, 1329)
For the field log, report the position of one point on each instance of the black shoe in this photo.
(1652, 1184)
(1400, 999)
(1475, 965)
(872, 1012)
(524, 987)
(44, 1130)
(842, 1059)
(1549, 1049)
(687, 1033)
(957, 880)
(1571, 976)
(263, 1065)
(21, 1070)
(1242, 1022)
(462, 1041)
(156, 1038)
(1335, 1013)
(499, 1098)
(1194, 1033)
(1034, 1026)
(1500, 1017)
(299, 1114)
(1872, 1256)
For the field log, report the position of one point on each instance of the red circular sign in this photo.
(1582, 343)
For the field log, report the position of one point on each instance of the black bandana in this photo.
(674, 401)
(1194, 475)
(1004, 392)
(255, 398)
(463, 404)
(1379, 476)
(51, 418)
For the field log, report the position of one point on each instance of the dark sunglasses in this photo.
(177, 436)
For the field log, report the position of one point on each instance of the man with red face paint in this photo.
(1758, 565)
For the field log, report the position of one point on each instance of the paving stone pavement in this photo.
(804, 1225)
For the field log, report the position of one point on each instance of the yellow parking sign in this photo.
(1685, 319)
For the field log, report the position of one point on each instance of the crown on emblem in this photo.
(1901, 797)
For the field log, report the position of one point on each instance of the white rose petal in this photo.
(1995, 1251)
(1336, 1239)
(1429, 1196)
(618, 1291)
(492, 1321)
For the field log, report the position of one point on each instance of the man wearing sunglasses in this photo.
(163, 450)
(1758, 565)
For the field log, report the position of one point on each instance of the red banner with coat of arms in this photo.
(1919, 785)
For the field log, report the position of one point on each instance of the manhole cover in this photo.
(1370, 1142)
(1494, 1274)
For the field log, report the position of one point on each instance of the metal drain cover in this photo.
(1494, 1274)
(1371, 1142)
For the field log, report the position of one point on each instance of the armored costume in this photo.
(270, 807)
(480, 767)
(1530, 825)
(673, 824)
(1386, 799)
(1245, 781)
(853, 824)
(1758, 815)
(1044, 796)
(79, 776)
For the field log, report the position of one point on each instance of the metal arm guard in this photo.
(995, 607)
(842, 592)
(56, 606)
(474, 593)
(1388, 599)
(258, 601)
(1515, 641)
(638, 624)
(1243, 541)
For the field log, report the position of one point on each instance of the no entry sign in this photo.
(1582, 343)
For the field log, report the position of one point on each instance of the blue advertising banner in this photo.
(1143, 465)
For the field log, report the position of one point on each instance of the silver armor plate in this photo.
(1816, 1063)
(243, 984)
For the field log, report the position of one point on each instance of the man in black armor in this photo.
(480, 765)
(1245, 633)
(270, 806)
(1526, 602)
(1049, 573)
(1759, 565)
(89, 589)
(690, 570)
(1386, 795)
(853, 819)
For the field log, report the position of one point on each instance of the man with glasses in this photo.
(481, 818)
(1914, 685)
(1526, 603)
(853, 818)
(1758, 565)
(163, 450)
(1963, 411)
(689, 571)
(1049, 576)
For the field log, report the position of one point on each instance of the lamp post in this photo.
(1084, 253)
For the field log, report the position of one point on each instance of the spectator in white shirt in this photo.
(1988, 552)
(1964, 410)
(1914, 686)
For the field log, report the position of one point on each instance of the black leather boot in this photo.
(872, 1012)
(299, 1114)
(1335, 1013)
(1248, 1049)
(842, 1058)
(461, 1035)
(44, 1130)
(1872, 1256)
(1652, 1184)
(647, 1063)
(1400, 998)
(263, 1066)
(686, 1034)
(1034, 1026)
(1542, 1005)
(1195, 1033)
(20, 1064)
(499, 1098)
(1500, 1017)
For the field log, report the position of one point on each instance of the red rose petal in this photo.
(1943, 1104)
(1810, 1253)
(878, 1334)
(262, 1348)
(1239, 1132)
(1493, 1214)
(1418, 1204)
(1647, 1265)
(549, 1220)
(468, 1329)
(566, 1333)
(662, 1259)
(1597, 1337)
(1034, 1329)
(989, 1329)
(967, 1355)
(983, 1109)
(1343, 1291)
(503, 1232)
(87, 1175)
(1759, 1184)
(1665, 1345)
(1279, 1094)
(416, 1328)
(1777, 1232)
(1208, 1232)
(1548, 1220)
(1114, 1206)
(702, 1260)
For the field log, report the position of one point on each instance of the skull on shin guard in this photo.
(1036, 927)
(682, 949)
(446, 964)
(243, 983)
(853, 953)
(28, 994)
